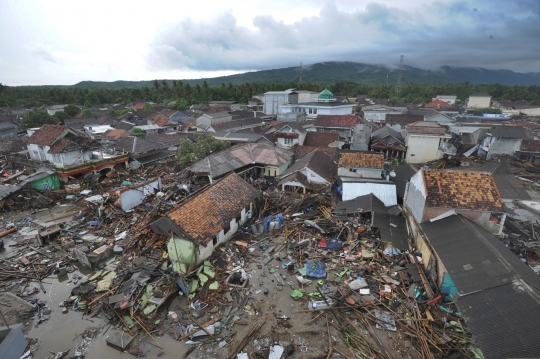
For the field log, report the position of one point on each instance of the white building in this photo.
(479, 100)
(424, 141)
(51, 110)
(326, 104)
(273, 100)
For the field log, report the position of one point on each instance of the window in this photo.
(310, 111)
(314, 111)
(214, 240)
(275, 173)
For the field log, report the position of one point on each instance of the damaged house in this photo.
(70, 152)
(389, 142)
(503, 140)
(434, 194)
(206, 220)
(309, 172)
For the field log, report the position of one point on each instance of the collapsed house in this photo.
(204, 221)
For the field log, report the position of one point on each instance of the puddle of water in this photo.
(63, 331)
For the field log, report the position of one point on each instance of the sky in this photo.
(62, 42)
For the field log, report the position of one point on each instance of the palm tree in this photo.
(3, 91)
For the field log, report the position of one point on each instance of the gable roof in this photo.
(403, 119)
(461, 189)
(501, 311)
(515, 132)
(46, 135)
(136, 145)
(207, 212)
(316, 161)
(530, 146)
(361, 160)
(302, 151)
(161, 121)
(438, 104)
(346, 121)
(218, 164)
(384, 132)
(320, 139)
(224, 126)
(115, 134)
(426, 128)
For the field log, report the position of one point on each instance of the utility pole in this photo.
(400, 73)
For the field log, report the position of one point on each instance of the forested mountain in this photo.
(331, 72)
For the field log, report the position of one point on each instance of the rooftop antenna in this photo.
(301, 75)
(400, 73)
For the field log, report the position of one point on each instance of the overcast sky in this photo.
(65, 41)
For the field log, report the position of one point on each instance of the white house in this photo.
(424, 141)
(378, 112)
(479, 100)
(51, 110)
(70, 152)
(274, 100)
(326, 104)
(358, 164)
(205, 220)
(290, 135)
(501, 140)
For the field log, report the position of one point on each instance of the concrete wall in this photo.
(299, 117)
(504, 146)
(479, 102)
(415, 198)
(40, 154)
(422, 148)
(272, 103)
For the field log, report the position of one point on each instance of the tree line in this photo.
(180, 95)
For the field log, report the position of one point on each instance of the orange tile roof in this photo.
(161, 121)
(46, 135)
(438, 104)
(462, 190)
(115, 134)
(361, 160)
(205, 214)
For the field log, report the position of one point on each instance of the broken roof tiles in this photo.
(530, 146)
(361, 160)
(344, 121)
(46, 135)
(205, 214)
(462, 190)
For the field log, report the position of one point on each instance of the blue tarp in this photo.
(315, 269)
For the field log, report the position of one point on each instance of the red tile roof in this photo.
(115, 134)
(161, 121)
(46, 135)
(138, 106)
(301, 151)
(438, 104)
(205, 214)
(345, 121)
(320, 139)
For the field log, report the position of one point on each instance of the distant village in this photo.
(418, 212)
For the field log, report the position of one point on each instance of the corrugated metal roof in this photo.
(385, 191)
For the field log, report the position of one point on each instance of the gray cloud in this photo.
(499, 34)
(46, 55)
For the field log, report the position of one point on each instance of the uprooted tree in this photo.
(190, 152)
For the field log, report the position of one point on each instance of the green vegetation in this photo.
(60, 116)
(138, 132)
(147, 107)
(91, 99)
(37, 118)
(190, 152)
(89, 114)
(117, 114)
(480, 111)
(71, 110)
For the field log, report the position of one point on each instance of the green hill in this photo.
(330, 72)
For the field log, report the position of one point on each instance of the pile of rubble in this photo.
(299, 277)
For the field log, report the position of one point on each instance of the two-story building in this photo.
(424, 141)
(326, 104)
